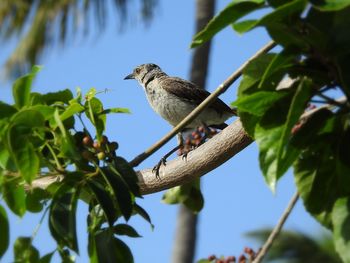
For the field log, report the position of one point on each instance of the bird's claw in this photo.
(156, 168)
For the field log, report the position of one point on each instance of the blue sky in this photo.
(237, 199)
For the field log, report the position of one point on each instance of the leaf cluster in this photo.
(39, 138)
(278, 89)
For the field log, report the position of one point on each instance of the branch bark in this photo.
(199, 162)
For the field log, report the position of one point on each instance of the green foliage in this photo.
(188, 194)
(277, 89)
(4, 229)
(39, 138)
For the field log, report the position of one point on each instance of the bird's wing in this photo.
(191, 92)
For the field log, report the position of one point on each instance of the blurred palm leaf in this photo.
(40, 23)
(296, 247)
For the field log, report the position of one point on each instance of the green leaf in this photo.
(115, 110)
(244, 26)
(47, 258)
(120, 190)
(253, 73)
(316, 182)
(267, 140)
(22, 86)
(105, 200)
(330, 5)
(68, 148)
(104, 247)
(14, 196)
(29, 118)
(34, 199)
(341, 227)
(62, 217)
(6, 110)
(231, 13)
(94, 108)
(24, 251)
(126, 230)
(128, 173)
(282, 61)
(71, 110)
(4, 230)
(62, 96)
(188, 194)
(284, 12)
(259, 102)
(142, 212)
(45, 110)
(287, 155)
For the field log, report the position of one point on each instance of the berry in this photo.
(201, 129)
(101, 155)
(87, 141)
(97, 146)
(231, 259)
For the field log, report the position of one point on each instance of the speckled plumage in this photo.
(174, 98)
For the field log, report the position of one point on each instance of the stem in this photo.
(277, 229)
(221, 89)
(40, 223)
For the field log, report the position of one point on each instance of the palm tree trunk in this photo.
(186, 228)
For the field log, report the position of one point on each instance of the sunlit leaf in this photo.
(22, 87)
(24, 251)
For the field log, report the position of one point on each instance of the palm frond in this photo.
(40, 23)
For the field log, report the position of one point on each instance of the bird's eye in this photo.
(137, 70)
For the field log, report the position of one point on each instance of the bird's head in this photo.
(143, 72)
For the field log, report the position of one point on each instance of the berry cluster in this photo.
(92, 150)
(196, 138)
(246, 257)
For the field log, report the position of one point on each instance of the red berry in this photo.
(97, 146)
(231, 259)
(242, 259)
(87, 141)
(201, 129)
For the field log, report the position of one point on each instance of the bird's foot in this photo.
(156, 168)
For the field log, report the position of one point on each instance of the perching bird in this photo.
(174, 98)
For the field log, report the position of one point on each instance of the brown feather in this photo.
(187, 90)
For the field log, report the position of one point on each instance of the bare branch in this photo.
(277, 229)
(221, 89)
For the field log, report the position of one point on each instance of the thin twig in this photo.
(221, 89)
(277, 229)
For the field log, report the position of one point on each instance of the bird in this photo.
(174, 98)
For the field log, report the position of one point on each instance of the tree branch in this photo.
(200, 161)
(277, 229)
(221, 89)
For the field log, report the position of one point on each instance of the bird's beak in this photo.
(130, 76)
